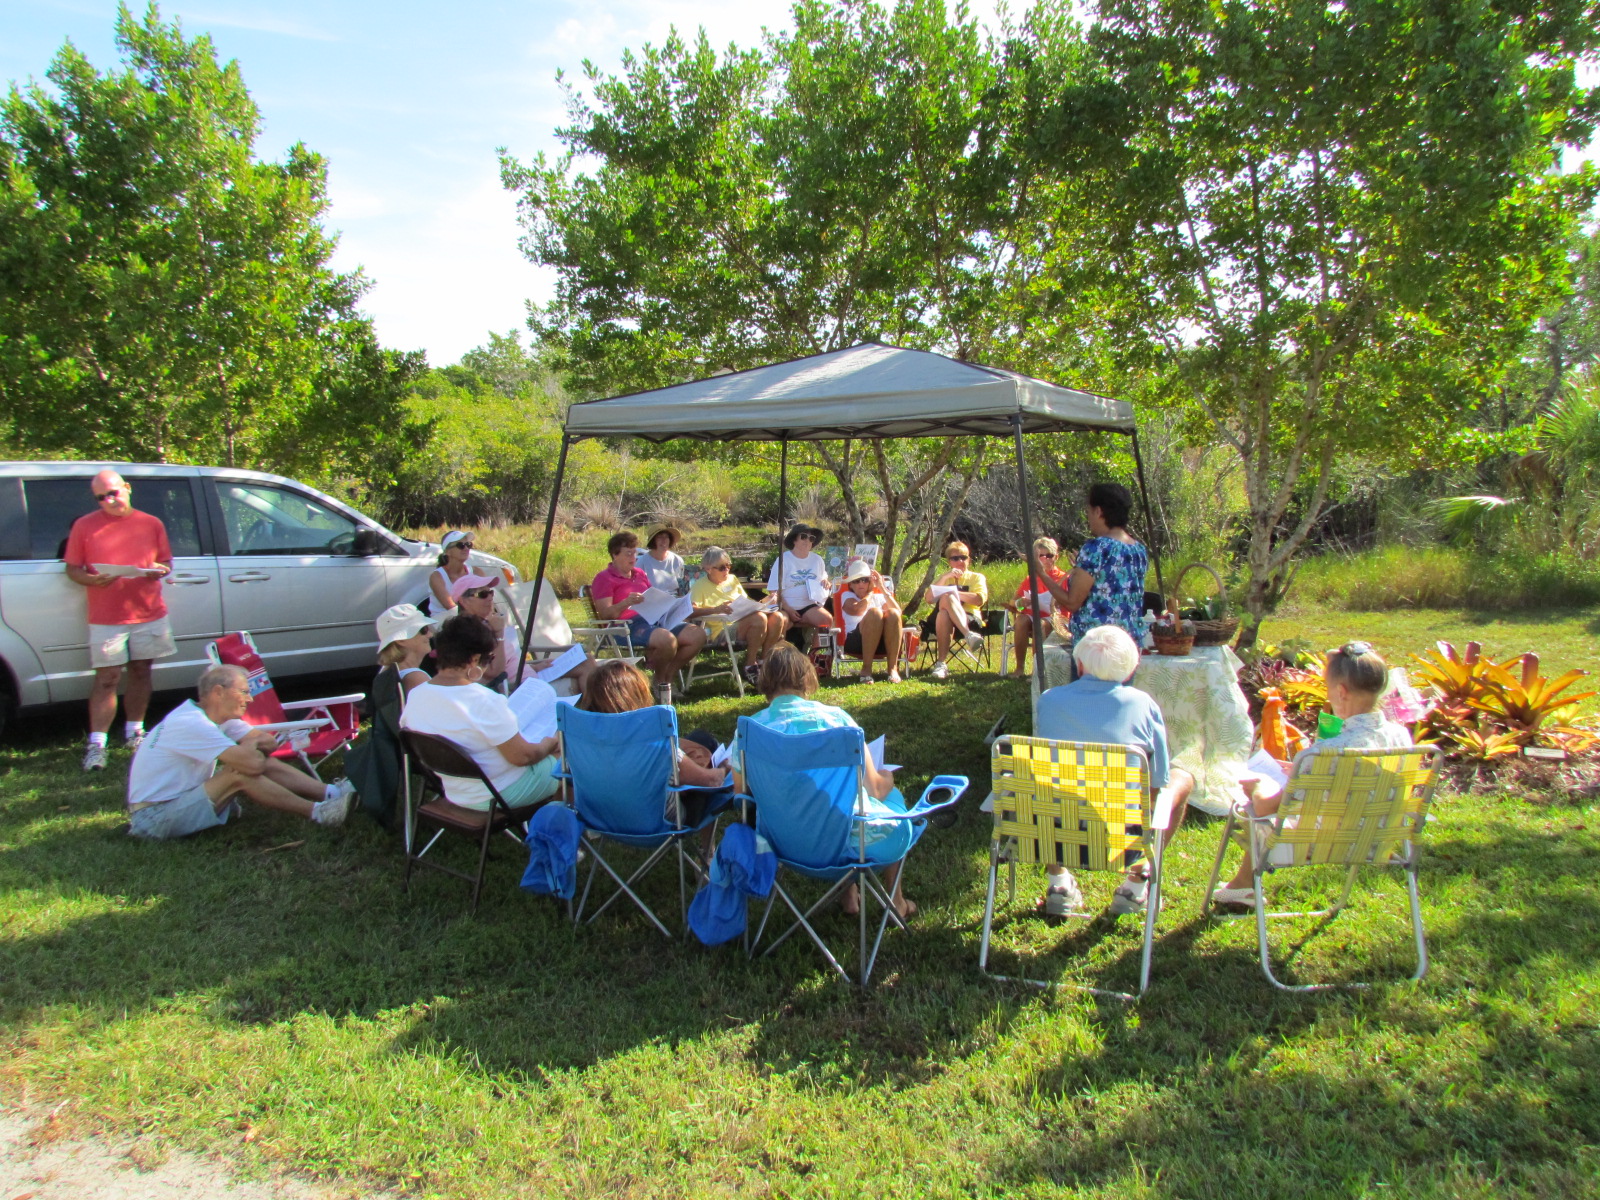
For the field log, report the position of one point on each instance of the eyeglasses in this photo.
(956, 557)
(102, 497)
(478, 594)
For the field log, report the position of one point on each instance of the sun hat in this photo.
(400, 622)
(858, 570)
(468, 582)
(673, 537)
(801, 530)
(454, 536)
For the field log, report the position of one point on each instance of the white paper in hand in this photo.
(1264, 768)
(720, 755)
(875, 749)
(654, 604)
(573, 657)
(534, 705)
(940, 590)
(743, 606)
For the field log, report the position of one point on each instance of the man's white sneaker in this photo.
(940, 671)
(135, 742)
(94, 757)
(336, 808)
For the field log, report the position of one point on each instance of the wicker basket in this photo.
(1218, 630)
(1174, 647)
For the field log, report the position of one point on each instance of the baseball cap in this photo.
(468, 582)
(400, 622)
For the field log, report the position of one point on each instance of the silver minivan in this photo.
(305, 574)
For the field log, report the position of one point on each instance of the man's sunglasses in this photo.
(478, 594)
(102, 497)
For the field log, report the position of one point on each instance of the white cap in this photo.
(468, 582)
(401, 622)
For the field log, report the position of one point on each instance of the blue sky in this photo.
(407, 100)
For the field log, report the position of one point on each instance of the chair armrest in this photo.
(956, 785)
(353, 698)
(1161, 819)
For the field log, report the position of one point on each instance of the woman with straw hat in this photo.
(660, 562)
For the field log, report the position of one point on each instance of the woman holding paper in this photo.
(799, 579)
(480, 721)
(719, 600)
(958, 596)
(619, 587)
(871, 618)
(1045, 554)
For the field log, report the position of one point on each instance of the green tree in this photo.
(1330, 225)
(168, 296)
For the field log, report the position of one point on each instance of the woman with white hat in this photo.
(454, 551)
(871, 618)
(405, 636)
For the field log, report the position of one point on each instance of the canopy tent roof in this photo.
(869, 390)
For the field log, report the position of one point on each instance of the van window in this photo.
(261, 519)
(54, 504)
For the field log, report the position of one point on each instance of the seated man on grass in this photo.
(188, 774)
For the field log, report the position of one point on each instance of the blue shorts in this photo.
(189, 813)
(640, 630)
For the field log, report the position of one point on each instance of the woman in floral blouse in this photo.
(1106, 586)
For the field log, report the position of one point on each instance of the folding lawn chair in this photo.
(434, 757)
(720, 642)
(1347, 808)
(552, 633)
(1085, 805)
(990, 622)
(841, 656)
(622, 769)
(311, 747)
(604, 634)
(805, 788)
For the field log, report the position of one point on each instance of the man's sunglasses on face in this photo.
(112, 494)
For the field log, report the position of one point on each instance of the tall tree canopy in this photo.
(1334, 223)
(167, 296)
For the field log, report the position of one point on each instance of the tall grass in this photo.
(1395, 577)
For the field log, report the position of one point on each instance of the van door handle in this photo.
(190, 579)
(249, 577)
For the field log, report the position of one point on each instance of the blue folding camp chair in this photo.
(622, 769)
(805, 787)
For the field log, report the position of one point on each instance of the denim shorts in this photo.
(189, 813)
(640, 630)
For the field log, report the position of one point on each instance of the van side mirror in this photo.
(367, 543)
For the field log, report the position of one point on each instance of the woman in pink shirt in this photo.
(616, 589)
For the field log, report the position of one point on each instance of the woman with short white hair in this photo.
(1099, 706)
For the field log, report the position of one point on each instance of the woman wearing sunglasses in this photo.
(1046, 554)
(713, 597)
(956, 609)
(454, 551)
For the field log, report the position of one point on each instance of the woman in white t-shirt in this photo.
(799, 578)
(871, 619)
(480, 721)
(659, 562)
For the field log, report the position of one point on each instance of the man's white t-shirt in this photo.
(474, 718)
(177, 756)
(805, 580)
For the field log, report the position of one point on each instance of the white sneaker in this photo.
(1063, 896)
(1233, 895)
(974, 641)
(940, 670)
(1130, 897)
(94, 757)
(136, 741)
(334, 810)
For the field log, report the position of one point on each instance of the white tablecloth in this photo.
(1208, 719)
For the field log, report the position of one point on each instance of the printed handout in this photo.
(572, 657)
(534, 704)
(875, 749)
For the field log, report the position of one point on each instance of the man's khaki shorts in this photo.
(115, 645)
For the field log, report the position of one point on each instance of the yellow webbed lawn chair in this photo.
(1348, 808)
(1086, 805)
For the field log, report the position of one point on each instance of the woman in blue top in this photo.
(1106, 586)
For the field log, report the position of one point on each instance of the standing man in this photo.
(127, 614)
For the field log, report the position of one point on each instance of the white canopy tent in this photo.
(866, 391)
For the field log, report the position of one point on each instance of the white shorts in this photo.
(114, 645)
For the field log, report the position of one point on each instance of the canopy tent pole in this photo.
(1027, 554)
(1149, 525)
(783, 508)
(544, 556)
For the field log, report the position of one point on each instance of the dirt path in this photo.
(36, 1165)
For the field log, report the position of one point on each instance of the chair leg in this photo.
(988, 905)
(802, 923)
(1216, 867)
(1152, 905)
(624, 886)
(483, 862)
(1416, 916)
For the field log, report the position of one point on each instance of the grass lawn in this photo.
(294, 1008)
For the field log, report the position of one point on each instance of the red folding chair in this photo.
(311, 747)
(836, 609)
